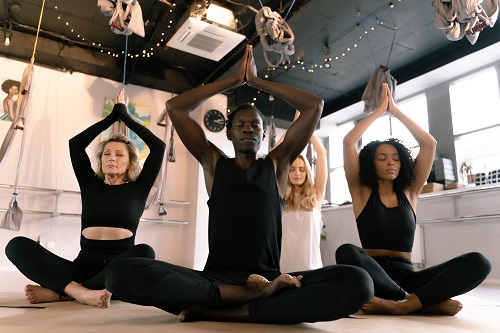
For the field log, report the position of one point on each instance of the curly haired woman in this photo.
(385, 183)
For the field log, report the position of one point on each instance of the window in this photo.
(475, 102)
(379, 130)
(416, 109)
(475, 109)
(339, 192)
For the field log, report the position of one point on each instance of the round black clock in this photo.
(214, 120)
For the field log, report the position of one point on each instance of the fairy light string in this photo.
(299, 64)
(74, 33)
(369, 26)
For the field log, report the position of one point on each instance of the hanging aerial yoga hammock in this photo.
(164, 121)
(459, 18)
(381, 74)
(275, 35)
(14, 215)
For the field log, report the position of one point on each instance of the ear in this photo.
(228, 135)
(263, 135)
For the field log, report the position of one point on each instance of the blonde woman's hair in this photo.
(134, 169)
(308, 200)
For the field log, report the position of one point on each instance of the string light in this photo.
(145, 53)
(330, 61)
(104, 50)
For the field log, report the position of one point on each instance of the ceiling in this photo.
(75, 37)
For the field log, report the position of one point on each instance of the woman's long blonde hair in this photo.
(308, 200)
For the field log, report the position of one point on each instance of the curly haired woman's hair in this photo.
(367, 173)
(133, 170)
(246, 106)
(308, 200)
(7, 84)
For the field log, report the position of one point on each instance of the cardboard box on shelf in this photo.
(452, 186)
(442, 169)
(432, 187)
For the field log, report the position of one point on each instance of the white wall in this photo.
(62, 106)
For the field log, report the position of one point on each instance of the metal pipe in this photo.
(460, 218)
(56, 214)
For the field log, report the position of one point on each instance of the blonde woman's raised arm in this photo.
(321, 168)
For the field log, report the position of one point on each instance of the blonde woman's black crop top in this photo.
(119, 206)
(392, 228)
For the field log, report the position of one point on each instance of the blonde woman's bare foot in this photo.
(449, 307)
(37, 294)
(98, 298)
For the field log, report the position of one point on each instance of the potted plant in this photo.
(467, 175)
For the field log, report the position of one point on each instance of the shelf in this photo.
(461, 191)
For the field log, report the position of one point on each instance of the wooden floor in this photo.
(481, 313)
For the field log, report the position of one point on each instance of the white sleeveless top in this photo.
(300, 240)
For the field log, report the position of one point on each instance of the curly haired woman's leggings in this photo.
(394, 277)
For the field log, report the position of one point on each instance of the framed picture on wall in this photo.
(138, 112)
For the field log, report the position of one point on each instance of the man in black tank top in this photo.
(241, 280)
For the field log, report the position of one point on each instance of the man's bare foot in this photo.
(449, 307)
(265, 288)
(256, 287)
(38, 294)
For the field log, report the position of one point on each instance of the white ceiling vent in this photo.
(204, 39)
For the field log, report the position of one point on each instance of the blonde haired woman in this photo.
(113, 200)
(301, 221)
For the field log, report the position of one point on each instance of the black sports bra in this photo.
(392, 228)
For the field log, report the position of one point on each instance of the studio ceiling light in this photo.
(8, 32)
(7, 40)
(206, 32)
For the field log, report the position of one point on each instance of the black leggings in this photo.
(326, 294)
(55, 273)
(394, 277)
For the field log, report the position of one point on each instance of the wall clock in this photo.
(214, 120)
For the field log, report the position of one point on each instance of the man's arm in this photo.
(190, 132)
(310, 107)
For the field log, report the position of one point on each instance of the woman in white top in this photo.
(301, 222)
